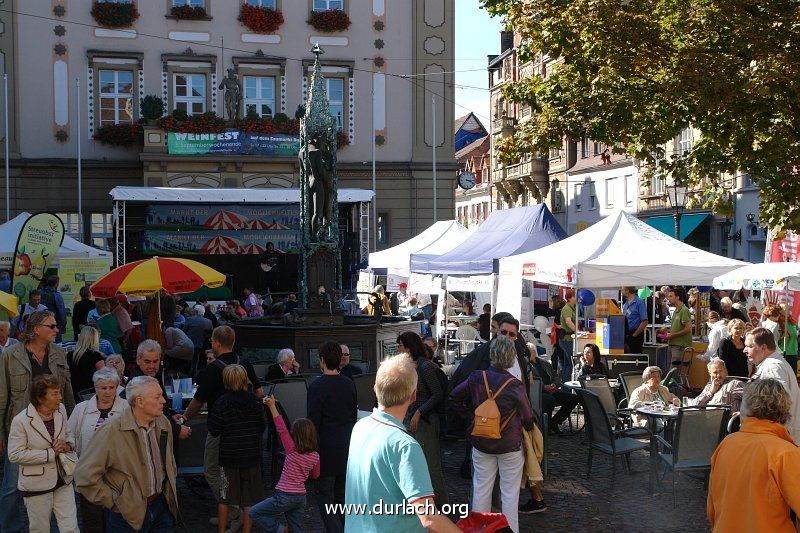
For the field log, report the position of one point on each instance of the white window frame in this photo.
(337, 103)
(657, 184)
(102, 227)
(189, 100)
(116, 96)
(585, 146)
(578, 198)
(330, 4)
(685, 141)
(258, 101)
(628, 196)
(610, 186)
(268, 4)
(193, 3)
(72, 226)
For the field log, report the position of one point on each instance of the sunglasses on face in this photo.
(51, 326)
(509, 334)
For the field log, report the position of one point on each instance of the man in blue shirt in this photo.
(388, 486)
(635, 312)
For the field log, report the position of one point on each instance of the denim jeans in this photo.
(565, 366)
(157, 519)
(266, 513)
(10, 499)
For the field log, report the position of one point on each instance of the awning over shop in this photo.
(666, 224)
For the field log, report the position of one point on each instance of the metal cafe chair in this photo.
(618, 416)
(292, 403)
(698, 431)
(603, 438)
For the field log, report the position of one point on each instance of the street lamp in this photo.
(676, 196)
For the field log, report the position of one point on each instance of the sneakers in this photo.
(533, 507)
(555, 429)
(236, 524)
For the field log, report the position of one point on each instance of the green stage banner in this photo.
(233, 142)
(37, 245)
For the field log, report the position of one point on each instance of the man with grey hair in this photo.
(285, 365)
(6, 339)
(387, 465)
(721, 389)
(148, 363)
(129, 466)
(762, 352)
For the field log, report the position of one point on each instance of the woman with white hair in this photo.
(84, 359)
(85, 420)
(117, 363)
(650, 391)
(285, 365)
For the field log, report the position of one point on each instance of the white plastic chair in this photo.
(468, 338)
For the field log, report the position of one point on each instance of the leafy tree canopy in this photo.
(636, 72)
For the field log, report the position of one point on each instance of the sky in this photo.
(477, 35)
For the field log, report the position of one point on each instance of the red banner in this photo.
(786, 249)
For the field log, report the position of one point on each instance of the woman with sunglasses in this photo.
(36, 355)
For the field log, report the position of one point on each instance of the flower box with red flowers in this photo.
(260, 19)
(205, 123)
(124, 135)
(187, 12)
(329, 21)
(114, 15)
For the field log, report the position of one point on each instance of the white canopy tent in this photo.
(620, 249)
(761, 276)
(70, 248)
(439, 238)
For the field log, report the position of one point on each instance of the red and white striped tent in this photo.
(221, 246)
(252, 248)
(226, 220)
(279, 226)
(259, 224)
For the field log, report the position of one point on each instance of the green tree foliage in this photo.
(636, 72)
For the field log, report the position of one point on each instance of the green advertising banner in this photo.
(233, 142)
(38, 242)
(74, 273)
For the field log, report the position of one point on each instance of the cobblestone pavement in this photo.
(575, 503)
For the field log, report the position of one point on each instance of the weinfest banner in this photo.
(233, 142)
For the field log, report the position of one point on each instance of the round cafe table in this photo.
(653, 415)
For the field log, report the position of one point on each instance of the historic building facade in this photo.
(70, 75)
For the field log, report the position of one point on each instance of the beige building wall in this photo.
(394, 48)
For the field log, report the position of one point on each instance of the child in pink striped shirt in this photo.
(302, 462)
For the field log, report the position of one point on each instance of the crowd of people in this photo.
(89, 442)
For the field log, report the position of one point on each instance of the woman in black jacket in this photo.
(332, 407)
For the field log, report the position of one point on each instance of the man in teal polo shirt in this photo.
(388, 486)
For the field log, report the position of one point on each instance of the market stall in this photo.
(438, 239)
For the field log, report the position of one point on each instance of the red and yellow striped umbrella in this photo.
(142, 278)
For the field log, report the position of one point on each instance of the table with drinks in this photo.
(655, 411)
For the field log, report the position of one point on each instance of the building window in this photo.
(592, 197)
(555, 152)
(335, 89)
(269, 4)
(657, 185)
(116, 96)
(610, 185)
(72, 225)
(102, 230)
(630, 195)
(190, 93)
(193, 3)
(382, 228)
(259, 95)
(578, 196)
(325, 5)
(685, 141)
(585, 146)
(598, 148)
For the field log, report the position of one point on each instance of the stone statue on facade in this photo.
(233, 94)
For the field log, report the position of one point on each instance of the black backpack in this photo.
(49, 299)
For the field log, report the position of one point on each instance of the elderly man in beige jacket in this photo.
(129, 467)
